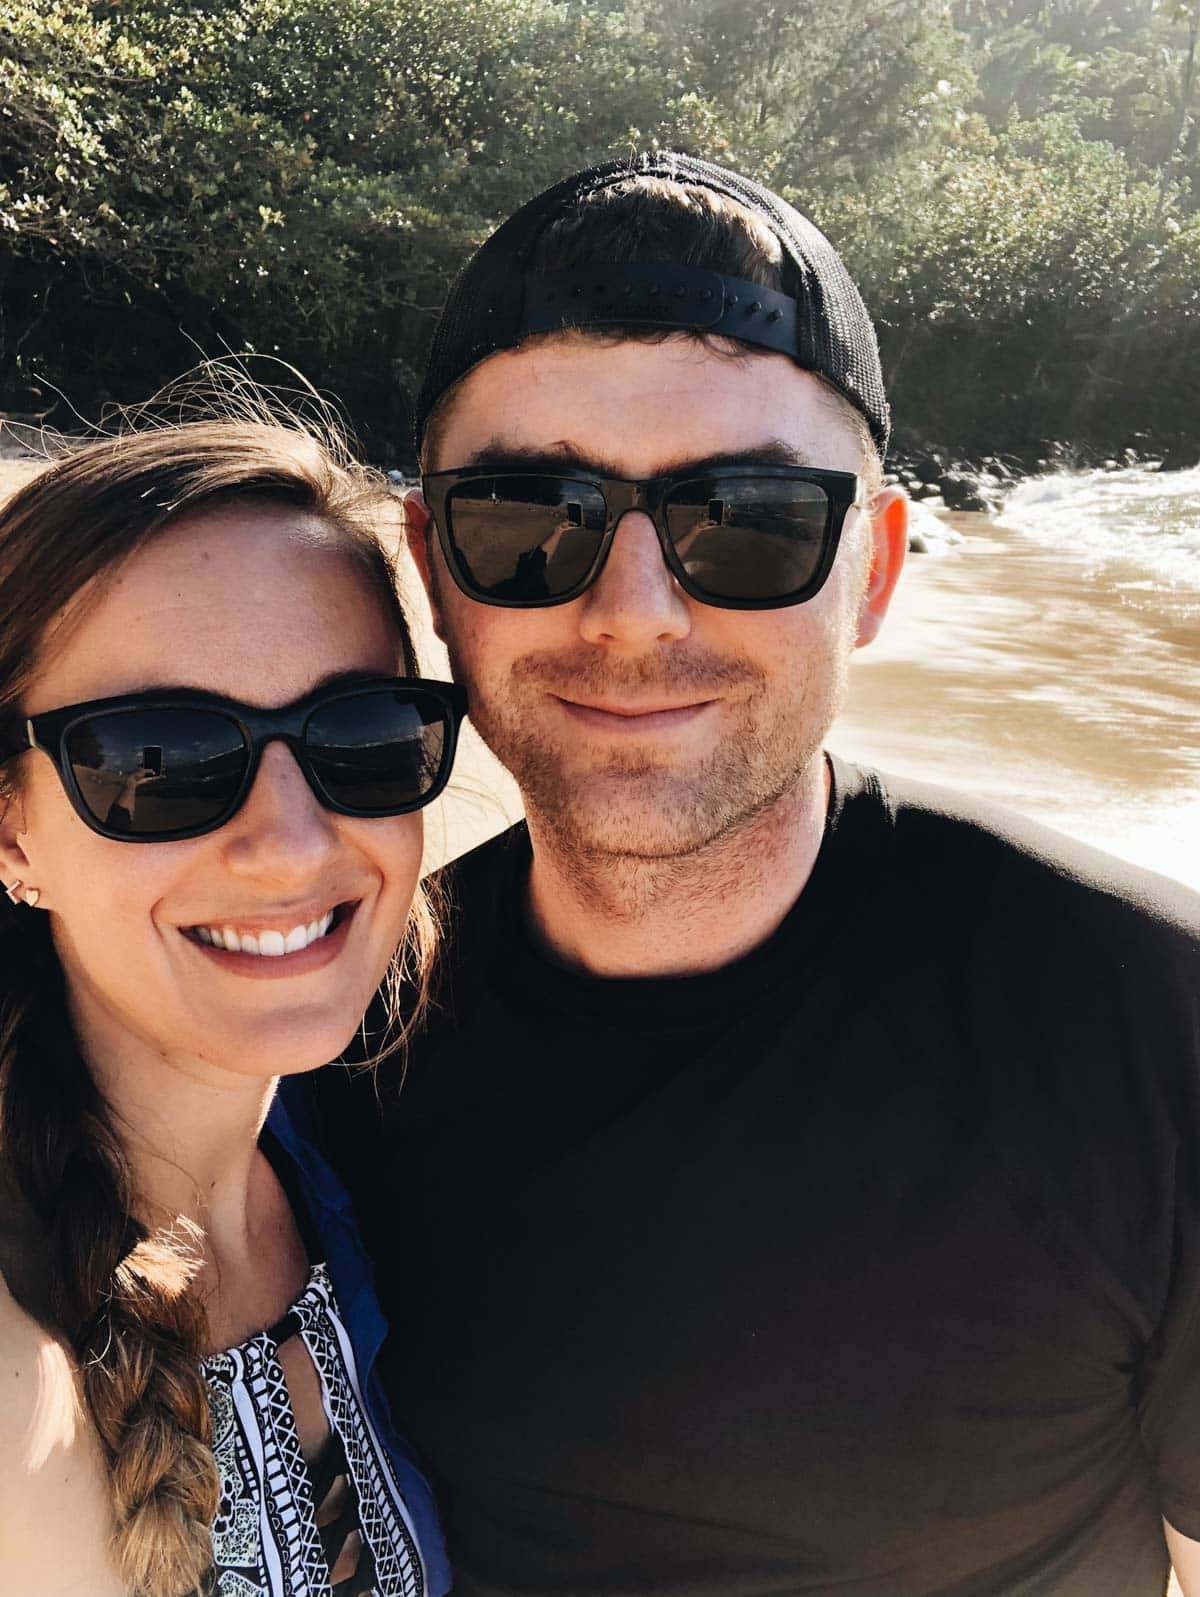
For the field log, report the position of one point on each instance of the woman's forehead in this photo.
(231, 599)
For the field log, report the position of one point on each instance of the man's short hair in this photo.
(682, 214)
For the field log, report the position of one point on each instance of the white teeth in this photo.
(271, 943)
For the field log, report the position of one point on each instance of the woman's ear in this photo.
(14, 862)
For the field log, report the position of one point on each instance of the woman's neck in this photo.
(189, 1129)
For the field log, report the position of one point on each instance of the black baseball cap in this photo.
(496, 301)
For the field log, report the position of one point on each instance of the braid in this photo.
(118, 1295)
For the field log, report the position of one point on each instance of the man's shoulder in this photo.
(1060, 984)
(494, 856)
(954, 851)
(478, 886)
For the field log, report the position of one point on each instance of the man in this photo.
(797, 1188)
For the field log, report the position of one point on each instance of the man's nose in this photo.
(282, 832)
(635, 602)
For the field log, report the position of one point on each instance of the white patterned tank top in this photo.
(284, 1529)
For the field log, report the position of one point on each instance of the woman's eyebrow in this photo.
(344, 679)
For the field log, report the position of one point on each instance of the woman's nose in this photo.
(282, 829)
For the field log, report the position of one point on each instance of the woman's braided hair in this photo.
(118, 1295)
(116, 1292)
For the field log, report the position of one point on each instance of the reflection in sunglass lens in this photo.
(525, 538)
(748, 537)
(377, 752)
(146, 772)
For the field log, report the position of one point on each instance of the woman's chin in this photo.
(288, 1045)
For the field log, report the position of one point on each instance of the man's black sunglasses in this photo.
(174, 763)
(741, 537)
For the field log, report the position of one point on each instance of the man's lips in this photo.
(634, 717)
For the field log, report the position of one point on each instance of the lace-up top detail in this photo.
(281, 1528)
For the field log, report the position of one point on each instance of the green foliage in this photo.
(1015, 182)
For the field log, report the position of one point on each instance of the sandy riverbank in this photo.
(1024, 672)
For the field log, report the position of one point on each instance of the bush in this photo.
(303, 177)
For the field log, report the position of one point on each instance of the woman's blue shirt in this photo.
(331, 1219)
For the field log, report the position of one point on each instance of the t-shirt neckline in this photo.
(854, 838)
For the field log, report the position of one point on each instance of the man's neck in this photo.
(613, 915)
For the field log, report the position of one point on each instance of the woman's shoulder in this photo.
(37, 1378)
(50, 1464)
(39, 1412)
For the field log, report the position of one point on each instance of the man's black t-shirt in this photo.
(868, 1265)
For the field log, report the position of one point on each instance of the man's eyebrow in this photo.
(774, 452)
(500, 455)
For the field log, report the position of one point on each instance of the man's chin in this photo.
(649, 816)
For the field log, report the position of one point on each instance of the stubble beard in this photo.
(599, 806)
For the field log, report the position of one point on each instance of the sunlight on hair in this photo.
(246, 387)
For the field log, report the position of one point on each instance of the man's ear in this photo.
(888, 512)
(418, 533)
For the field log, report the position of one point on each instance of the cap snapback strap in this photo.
(687, 297)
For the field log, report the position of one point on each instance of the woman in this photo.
(211, 772)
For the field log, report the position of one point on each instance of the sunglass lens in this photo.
(750, 538)
(380, 752)
(154, 773)
(525, 539)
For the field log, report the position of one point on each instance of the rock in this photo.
(962, 490)
(1000, 468)
(929, 534)
(1181, 457)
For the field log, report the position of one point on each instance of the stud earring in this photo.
(31, 897)
(13, 893)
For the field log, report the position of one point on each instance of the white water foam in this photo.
(1138, 526)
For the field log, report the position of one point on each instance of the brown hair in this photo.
(117, 1294)
(655, 219)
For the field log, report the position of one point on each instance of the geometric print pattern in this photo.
(266, 1542)
(382, 1515)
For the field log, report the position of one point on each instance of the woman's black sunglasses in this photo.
(740, 537)
(164, 765)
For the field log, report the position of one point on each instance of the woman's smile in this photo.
(270, 952)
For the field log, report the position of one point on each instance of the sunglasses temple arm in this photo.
(15, 739)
